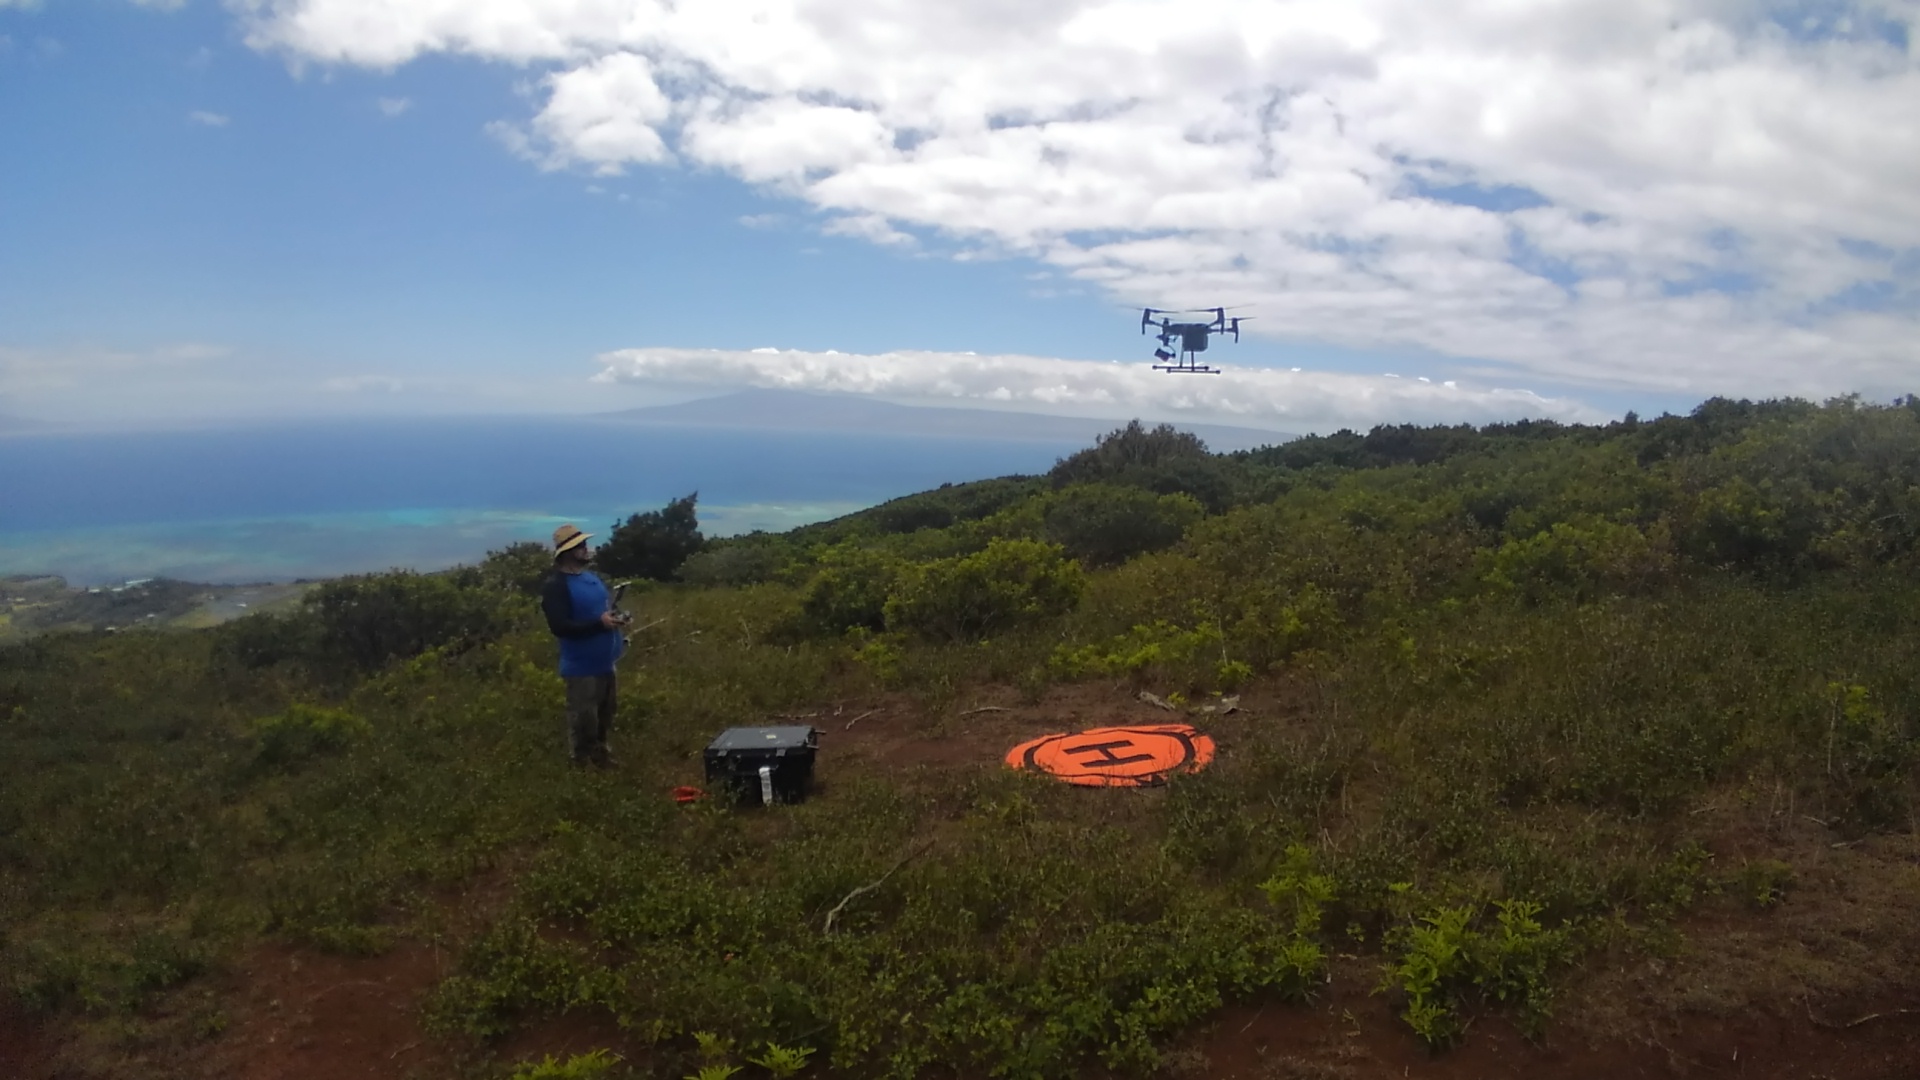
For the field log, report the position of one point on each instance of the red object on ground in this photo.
(687, 794)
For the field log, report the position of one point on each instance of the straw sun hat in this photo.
(566, 538)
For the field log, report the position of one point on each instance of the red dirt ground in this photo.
(26, 1050)
(302, 1015)
(299, 1015)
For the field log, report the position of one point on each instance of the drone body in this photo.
(1193, 337)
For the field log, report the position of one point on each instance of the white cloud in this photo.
(601, 114)
(393, 106)
(1681, 195)
(870, 227)
(208, 119)
(1252, 397)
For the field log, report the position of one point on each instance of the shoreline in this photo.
(279, 550)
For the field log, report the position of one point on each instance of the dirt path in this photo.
(26, 1049)
(301, 1015)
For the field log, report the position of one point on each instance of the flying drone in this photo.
(1192, 335)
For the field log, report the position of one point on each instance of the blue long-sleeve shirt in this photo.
(573, 604)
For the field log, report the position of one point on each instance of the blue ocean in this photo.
(320, 499)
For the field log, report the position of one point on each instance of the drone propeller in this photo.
(1147, 314)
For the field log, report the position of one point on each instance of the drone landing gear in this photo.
(1185, 364)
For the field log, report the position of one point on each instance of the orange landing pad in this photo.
(1136, 756)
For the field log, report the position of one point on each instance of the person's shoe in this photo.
(604, 759)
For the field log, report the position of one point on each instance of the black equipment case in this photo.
(763, 764)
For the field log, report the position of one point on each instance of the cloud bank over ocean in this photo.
(1676, 196)
(1291, 401)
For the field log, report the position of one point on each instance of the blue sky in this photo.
(208, 212)
(313, 230)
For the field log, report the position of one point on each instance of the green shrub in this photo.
(849, 590)
(1193, 659)
(745, 561)
(1869, 756)
(303, 731)
(366, 622)
(588, 1066)
(976, 596)
(1442, 957)
(102, 973)
(1752, 525)
(517, 568)
(268, 638)
(1302, 894)
(1131, 447)
(783, 1061)
(1764, 883)
(1101, 524)
(1515, 959)
(1579, 559)
(880, 654)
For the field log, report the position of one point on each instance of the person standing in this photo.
(579, 611)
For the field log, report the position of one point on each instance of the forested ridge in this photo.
(1496, 706)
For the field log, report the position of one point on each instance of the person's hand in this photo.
(609, 621)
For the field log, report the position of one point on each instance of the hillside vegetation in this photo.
(1514, 698)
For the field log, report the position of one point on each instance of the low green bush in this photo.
(366, 622)
(745, 561)
(849, 590)
(266, 639)
(1170, 656)
(303, 731)
(1444, 956)
(970, 597)
(1101, 524)
(1580, 559)
(592, 1065)
(519, 569)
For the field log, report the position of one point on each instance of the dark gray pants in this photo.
(591, 701)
